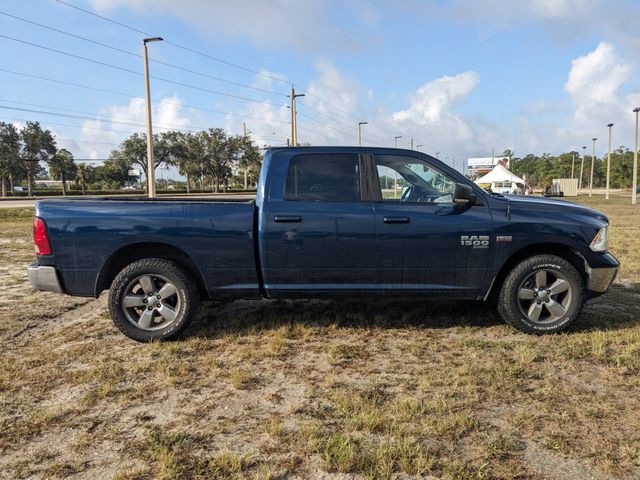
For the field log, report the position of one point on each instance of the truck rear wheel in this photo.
(543, 294)
(152, 299)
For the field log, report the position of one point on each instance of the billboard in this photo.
(482, 165)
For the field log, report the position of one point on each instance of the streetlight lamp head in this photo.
(610, 125)
(594, 139)
(363, 123)
(152, 39)
(636, 110)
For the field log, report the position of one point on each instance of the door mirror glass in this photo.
(463, 194)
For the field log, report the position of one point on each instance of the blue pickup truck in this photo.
(327, 222)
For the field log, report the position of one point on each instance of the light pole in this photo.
(396, 139)
(593, 157)
(584, 149)
(294, 117)
(606, 194)
(573, 162)
(634, 183)
(411, 143)
(418, 147)
(360, 131)
(151, 180)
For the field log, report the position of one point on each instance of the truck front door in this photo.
(318, 233)
(425, 242)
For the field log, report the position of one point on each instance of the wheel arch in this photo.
(559, 249)
(137, 251)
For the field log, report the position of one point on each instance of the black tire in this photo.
(168, 316)
(521, 298)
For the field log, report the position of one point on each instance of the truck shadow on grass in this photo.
(619, 308)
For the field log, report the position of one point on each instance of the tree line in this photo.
(540, 170)
(207, 159)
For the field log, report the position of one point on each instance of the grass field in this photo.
(312, 390)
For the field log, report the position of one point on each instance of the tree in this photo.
(134, 150)
(250, 161)
(10, 165)
(216, 158)
(114, 172)
(84, 175)
(37, 145)
(62, 166)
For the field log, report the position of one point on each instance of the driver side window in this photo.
(409, 179)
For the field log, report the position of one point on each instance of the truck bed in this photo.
(90, 235)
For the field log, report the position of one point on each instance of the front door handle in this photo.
(287, 219)
(396, 220)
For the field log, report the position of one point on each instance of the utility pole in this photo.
(634, 183)
(360, 132)
(294, 120)
(396, 139)
(411, 143)
(151, 180)
(584, 149)
(606, 194)
(593, 157)
(573, 162)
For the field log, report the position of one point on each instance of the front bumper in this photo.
(44, 278)
(600, 279)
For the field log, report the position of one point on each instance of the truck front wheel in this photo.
(152, 299)
(543, 294)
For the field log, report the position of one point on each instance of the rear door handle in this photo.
(396, 220)
(287, 219)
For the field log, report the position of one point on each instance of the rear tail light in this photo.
(41, 237)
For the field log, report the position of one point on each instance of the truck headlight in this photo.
(600, 242)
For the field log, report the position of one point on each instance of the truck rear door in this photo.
(318, 230)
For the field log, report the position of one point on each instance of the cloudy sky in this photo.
(462, 77)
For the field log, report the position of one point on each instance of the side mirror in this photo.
(463, 195)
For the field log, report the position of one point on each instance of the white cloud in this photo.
(434, 99)
(565, 20)
(597, 85)
(595, 80)
(292, 23)
(98, 137)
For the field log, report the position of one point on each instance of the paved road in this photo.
(17, 203)
(30, 203)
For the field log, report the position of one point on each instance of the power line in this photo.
(241, 67)
(98, 62)
(129, 95)
(82, 116)
(137, 55)
(220, 60)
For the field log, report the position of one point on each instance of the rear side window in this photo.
(328, 178)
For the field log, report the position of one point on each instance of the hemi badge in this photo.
(504, 238)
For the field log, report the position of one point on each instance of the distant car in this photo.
(18, 188)
(548, 192)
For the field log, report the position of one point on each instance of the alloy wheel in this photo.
(151, 302)
(545, 296)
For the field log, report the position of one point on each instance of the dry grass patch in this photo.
(301, 389)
